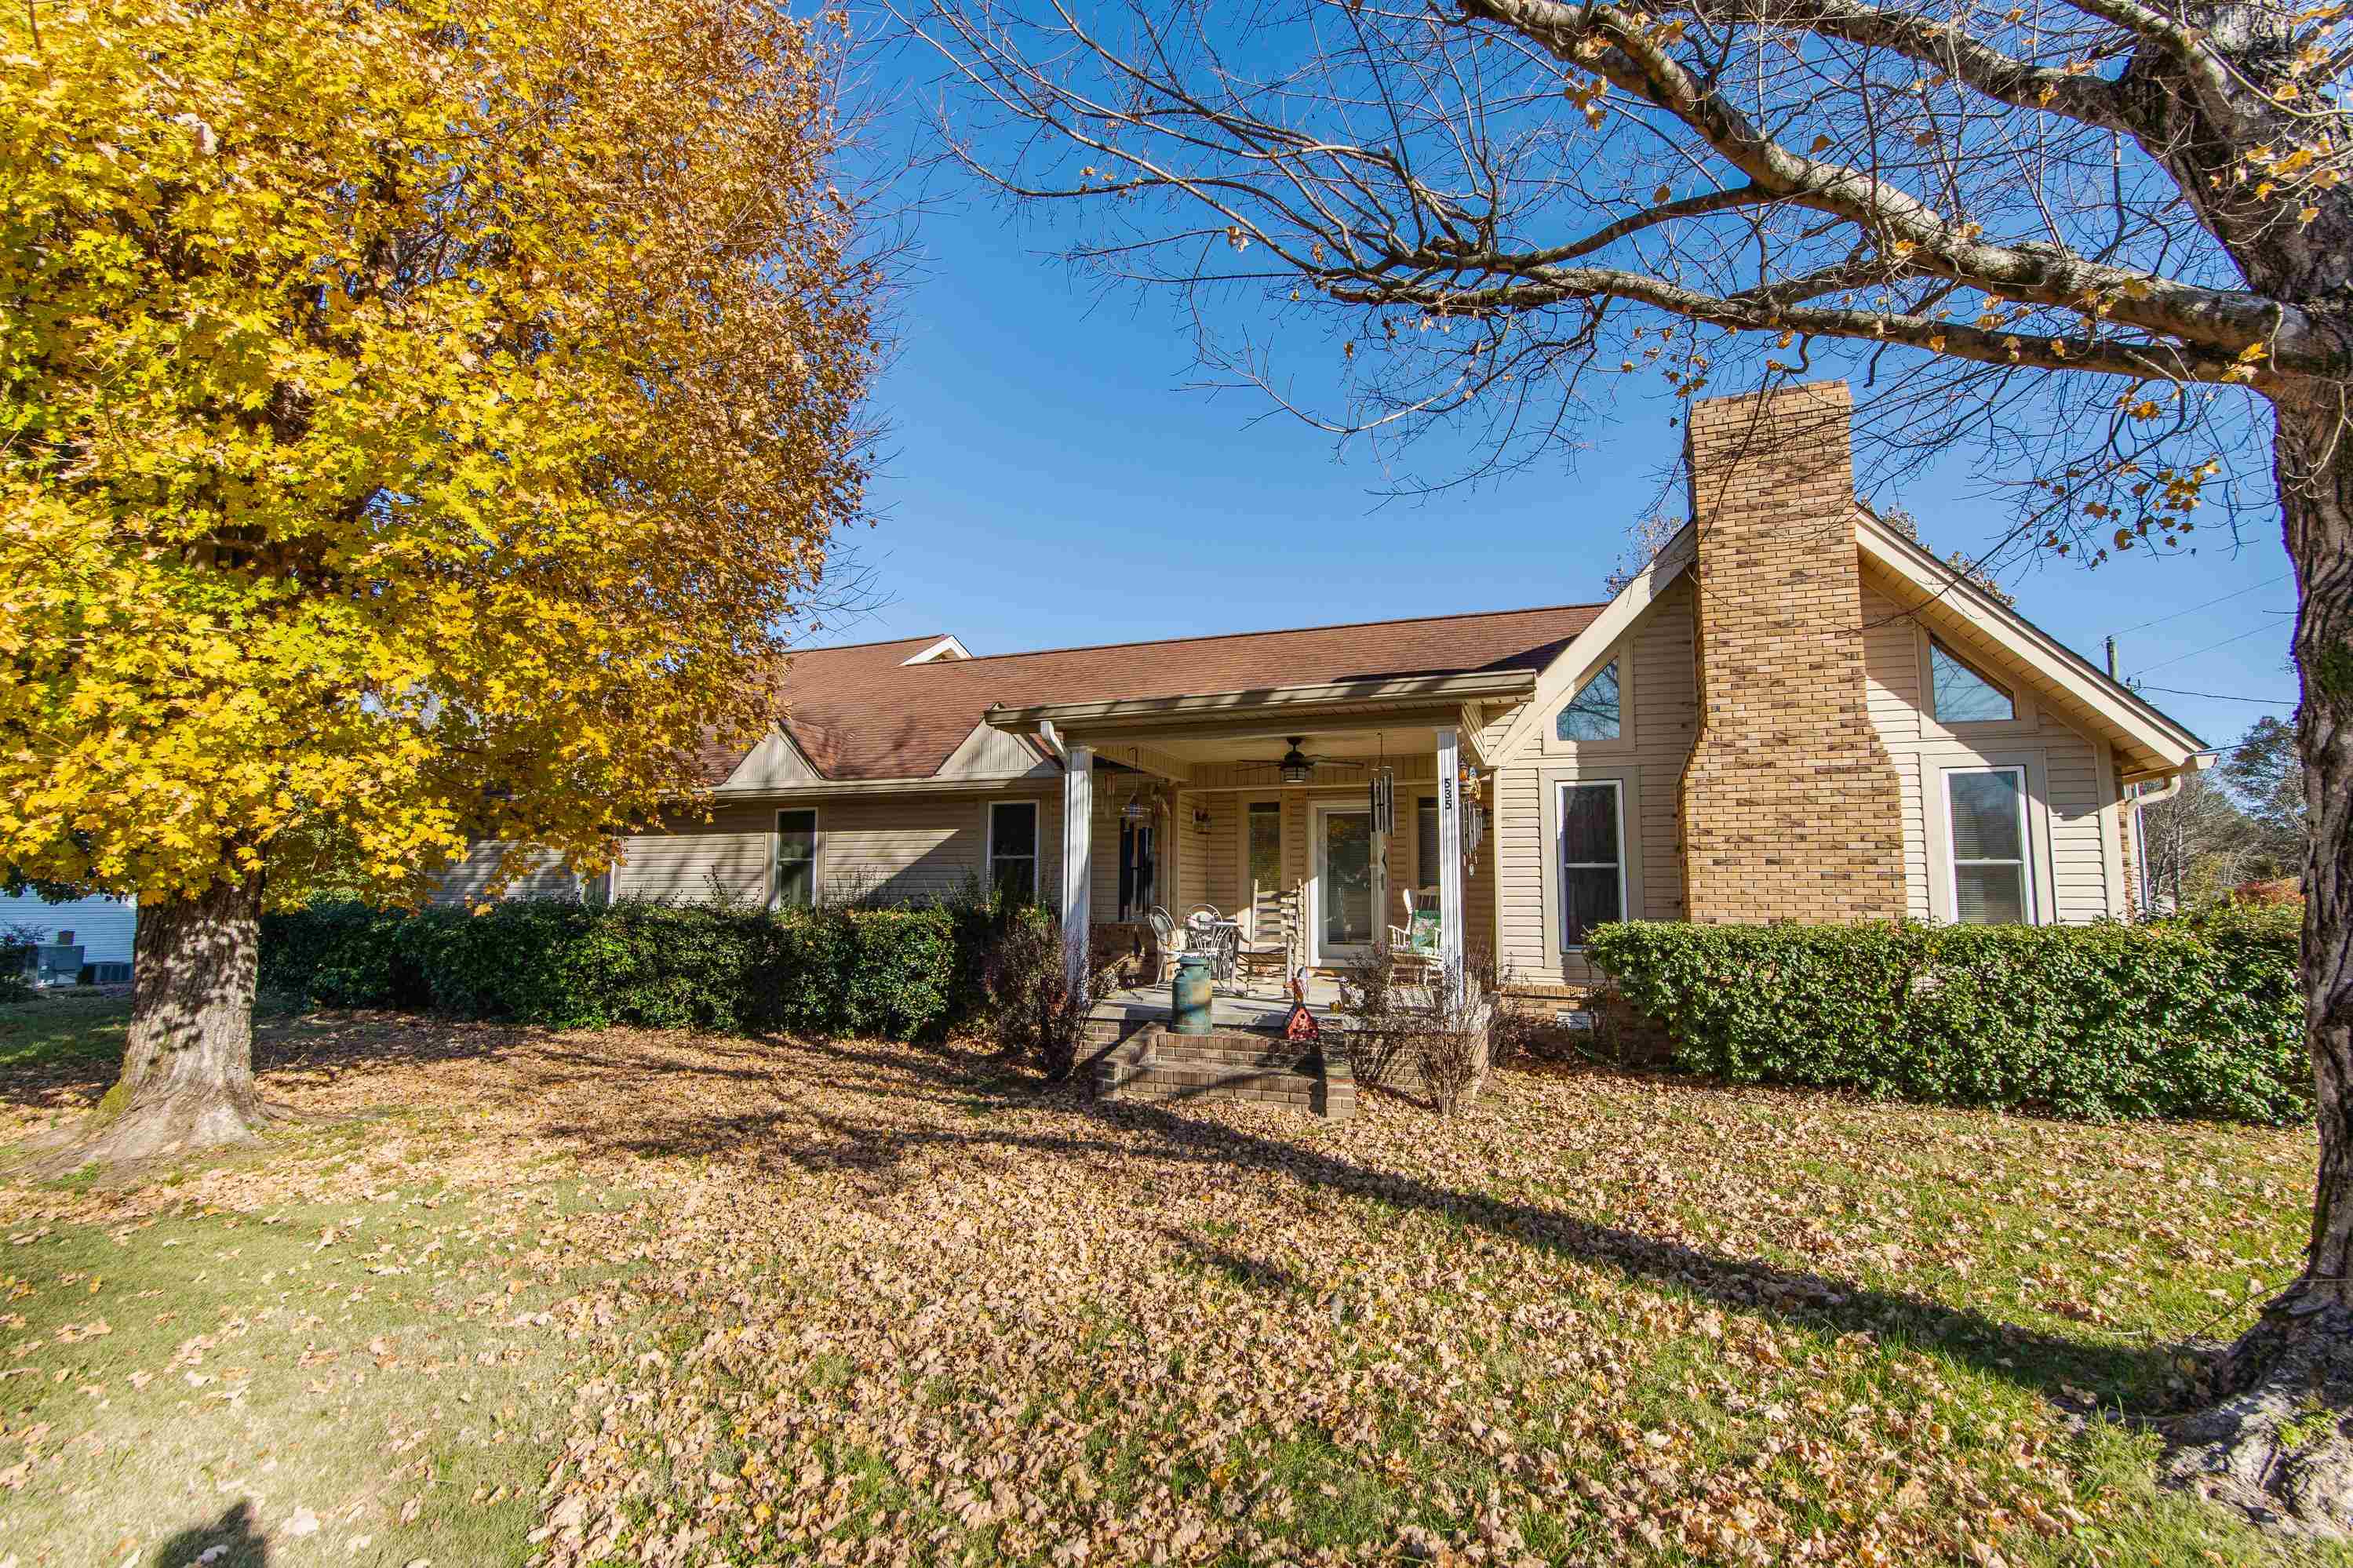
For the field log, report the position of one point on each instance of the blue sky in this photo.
(1048, 480)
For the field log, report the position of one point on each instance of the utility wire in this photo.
(2217, 695)
(2207, 605)
(2209, 647)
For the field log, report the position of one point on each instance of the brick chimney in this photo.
(1790, 807)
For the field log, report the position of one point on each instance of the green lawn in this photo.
(637, 1298)
(73, 1027)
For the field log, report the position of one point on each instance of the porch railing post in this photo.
(1078, 860)
(1450, 853)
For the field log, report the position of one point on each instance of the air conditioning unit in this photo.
(54, 964)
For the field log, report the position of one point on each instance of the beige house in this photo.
(1794, 711)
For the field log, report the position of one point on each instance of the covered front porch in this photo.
(1324, 827)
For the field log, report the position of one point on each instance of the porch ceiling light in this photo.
(1295, 767)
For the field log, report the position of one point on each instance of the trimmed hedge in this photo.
(903, 973)
(2198, 1017)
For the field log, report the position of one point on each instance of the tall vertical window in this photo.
(1262, 852)
(1265, 845)
(1986, 810)
(1592, 714)
(1013, 850)
(1592, 859)
(796, 859)
(1961, 695)
(1425, 841)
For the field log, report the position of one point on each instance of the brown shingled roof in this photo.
(863, 712)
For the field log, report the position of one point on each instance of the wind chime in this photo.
(1472, 793)
(1139, 851)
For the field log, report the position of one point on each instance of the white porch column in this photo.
(1078, 860)
(1450, 850)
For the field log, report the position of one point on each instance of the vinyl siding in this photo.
(1915, 833)
(1193, 878)
(2078, 861)
(463, 885)
(1661, 686)
(695, 858)
(1220, 859)
(102, 926)
(884, 848)
(989, 753)
(2074, 805)
(908, 848)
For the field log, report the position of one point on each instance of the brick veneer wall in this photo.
(1790, 807)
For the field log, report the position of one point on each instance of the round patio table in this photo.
(1210, 932)
(1229, 948)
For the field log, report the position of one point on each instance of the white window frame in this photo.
(1037, 842)
(1560, 865)
(1614, 667)
(1319, 813)
(2026, 720)
(2028, 900)
(1622, 654)
(1243, 887)
(777, 855)
(1425, 875)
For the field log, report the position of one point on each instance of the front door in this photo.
(1341, 921)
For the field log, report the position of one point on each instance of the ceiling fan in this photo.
(1295, 765)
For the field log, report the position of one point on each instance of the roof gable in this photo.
(1946, 601)
(864, 712)
(1575, 663)
(2088, 699)
(774, 763)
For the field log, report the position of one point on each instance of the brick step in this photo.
(1228, 1055)
(1152, 1065)
(1157, 1082)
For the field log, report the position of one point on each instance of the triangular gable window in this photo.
(1592, 714)
(1962, 695)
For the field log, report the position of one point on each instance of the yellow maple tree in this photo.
(418, 424)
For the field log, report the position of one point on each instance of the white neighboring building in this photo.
(102, 925)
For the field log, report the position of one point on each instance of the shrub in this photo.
(17, 945)
(1033, 1009)
(2194, 1018)
(649, 965)
(1411, 1030)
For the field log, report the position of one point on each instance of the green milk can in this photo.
(1188, 994)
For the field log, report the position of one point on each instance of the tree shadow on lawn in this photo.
(315, 1049)
(233, 1540)
(808, 1138)
(680, 1095)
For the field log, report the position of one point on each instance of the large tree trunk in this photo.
(2317, 483)
(187, 1071)
(2278, 1442)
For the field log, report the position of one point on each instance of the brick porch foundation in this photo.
(1145, 1061)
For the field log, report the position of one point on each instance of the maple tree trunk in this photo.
(2260, 1446)
(2320, 538)
(187, 1067)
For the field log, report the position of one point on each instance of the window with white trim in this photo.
(1593, 713)
(1592, 859)
(1013, 850)
(1962, 696)
(796, 880)
(1985, 816)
